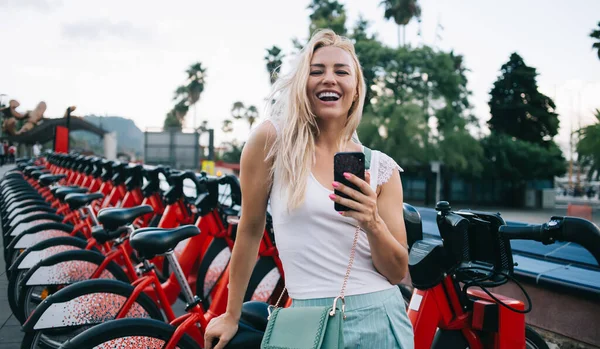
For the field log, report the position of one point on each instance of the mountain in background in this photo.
(130, 139)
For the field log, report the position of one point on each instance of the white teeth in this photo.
(328, 94)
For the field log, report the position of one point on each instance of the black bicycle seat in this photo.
(36, 174)
(49, 179)
(62, 193)
(102, 235)
(150, 242)
(57, 188)
(77, 201)
(114, 218)
(29, 169)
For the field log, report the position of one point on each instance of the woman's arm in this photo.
(254, 174)
(381, 217)
(254, 171)
(389, 248)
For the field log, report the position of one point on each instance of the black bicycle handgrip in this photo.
(523, 232)
(582, 232)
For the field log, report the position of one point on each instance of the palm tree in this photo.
(181, 109)
(251, 115)
(181, 93)
(195, 86)
(595, 34)
(238, 110)
(402, 11)
(171, 121)
(588, 148)
(227, 126)
(274, 59)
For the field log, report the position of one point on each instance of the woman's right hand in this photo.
(221, 328)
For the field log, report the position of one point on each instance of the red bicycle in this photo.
(211, 283)
(444, 310)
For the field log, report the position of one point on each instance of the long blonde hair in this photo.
(293, 149)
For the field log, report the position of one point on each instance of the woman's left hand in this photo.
(363, 203)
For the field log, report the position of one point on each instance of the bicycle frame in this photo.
(166, 293)
(441, 307)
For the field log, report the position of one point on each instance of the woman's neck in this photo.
(329, 135)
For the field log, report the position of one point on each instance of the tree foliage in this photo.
(401, 11)
(234, 154)
(186, 96)
(327, 14)
(518, 109)
(240, 111)
(523, 123)
(595, 34)
(274, 59)
(588, 148)
(510, 158)
(417, 108)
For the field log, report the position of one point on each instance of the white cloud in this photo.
(104, 29)
(39, 5)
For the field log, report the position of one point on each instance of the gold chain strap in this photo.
(346, 277)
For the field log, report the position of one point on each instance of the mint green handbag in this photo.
(304, 328)
(309, 327)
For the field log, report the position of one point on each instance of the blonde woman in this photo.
(288, 161)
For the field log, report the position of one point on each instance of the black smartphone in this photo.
(351, 162)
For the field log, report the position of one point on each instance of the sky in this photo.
(126, 58)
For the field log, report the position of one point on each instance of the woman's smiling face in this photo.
(331, 85)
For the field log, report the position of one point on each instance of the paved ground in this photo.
(10, 329)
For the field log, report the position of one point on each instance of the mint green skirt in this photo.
(373, 320)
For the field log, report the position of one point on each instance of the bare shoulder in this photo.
(254, 170)
(261, 139)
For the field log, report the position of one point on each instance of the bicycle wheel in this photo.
(533, 340)
(24, 262)
(79, 307)
(59, 270)
(128, 333)
(213, 264)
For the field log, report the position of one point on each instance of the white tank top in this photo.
(314, 241)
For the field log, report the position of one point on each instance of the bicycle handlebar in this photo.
(569, 229)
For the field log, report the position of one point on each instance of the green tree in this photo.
(371, 54)
(588, 148)
(251, 115)
(186, 96)
(401, 11)
(420, 97)
(595, 34)
(513, 159)
(359, 32)
(327, 14)
(239, 111)
(181, 94)
(227, 126)
(196, 81)
(195, 84)
(181, 109)
(171, 121)
(274, 60)
(234, 154)
(518, 109)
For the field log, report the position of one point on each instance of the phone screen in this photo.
(351, 162)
